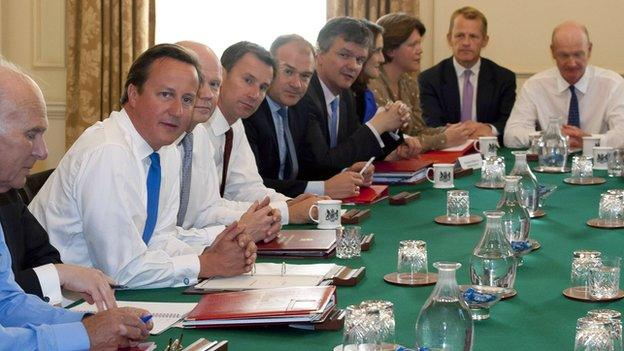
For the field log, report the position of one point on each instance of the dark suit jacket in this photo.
(262, 137)
(439, 94)
(27, 241)
(356, 142)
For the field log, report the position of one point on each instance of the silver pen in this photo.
(370, 161)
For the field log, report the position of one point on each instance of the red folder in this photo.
(369, 195)
(402, 166)
(300, 243)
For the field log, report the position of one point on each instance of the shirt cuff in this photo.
(377, 136)
(186, 269)
(283, 207)
(71, 336)
(50, 283)
(316, 187)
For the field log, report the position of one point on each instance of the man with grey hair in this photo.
(26, 322)
(335, 139)
(590, 98)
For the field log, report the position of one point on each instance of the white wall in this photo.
(32, 35)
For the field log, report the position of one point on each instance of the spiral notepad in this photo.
(165, 313)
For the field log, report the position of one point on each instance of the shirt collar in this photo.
(140, 148)
(218, 123)
(459, 69)
(329, 96)
(581, 85)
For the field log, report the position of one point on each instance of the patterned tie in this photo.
(466, 107)
(153, 192)
(227, 150)
(185, 182)
(573, 113)
(333, 124)
(292, 171)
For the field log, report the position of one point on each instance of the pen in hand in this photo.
(370, 161)
(145, 319)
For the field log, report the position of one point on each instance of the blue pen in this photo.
(146, 318)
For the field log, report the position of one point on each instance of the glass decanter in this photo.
(528, 185)
(444, 322)
(516, 222)
(493, 262)
(553, 147)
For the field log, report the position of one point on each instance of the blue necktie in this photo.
(333, 124)
(289, 172)
(185, 181)
(153, 192)
(573, 113)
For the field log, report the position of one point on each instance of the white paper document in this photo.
(165, 314)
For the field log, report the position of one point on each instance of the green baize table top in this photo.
(538, 318)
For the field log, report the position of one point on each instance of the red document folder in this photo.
(369, 195)
(439, 156)
(300, 243)
(268, 306)
(402, 166)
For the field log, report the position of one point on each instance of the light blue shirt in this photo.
(28, 323)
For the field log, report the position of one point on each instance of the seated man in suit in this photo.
(113, 200)
(26, 322)
(591, 98)
(466, 87)
(200, 202)
(335, 138)
(248, 73)
(276, 132)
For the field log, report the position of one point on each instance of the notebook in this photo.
(165, 313)
(272, 275)
(300, 243)
(368, 195)
(269, 306)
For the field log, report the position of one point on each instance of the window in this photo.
(221, 23)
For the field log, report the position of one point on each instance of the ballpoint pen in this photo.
(370, 161)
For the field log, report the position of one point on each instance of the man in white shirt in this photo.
(588, 99)
(200, 202)
(111, 205)
(26, 322)
(249, 71)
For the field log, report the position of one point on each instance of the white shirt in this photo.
(243, 182)
(600, 95)
(94, 208)
(206, 207)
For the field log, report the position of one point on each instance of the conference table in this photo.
(538, 318)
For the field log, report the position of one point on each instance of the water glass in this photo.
(593, 334)
(620, 195)
(610, 208)
(369, 326)
(355, 329)
(616, 318)
(457, 204)
(604, 279)
(582, 261)
(348, 242)
(381, 314)
(412, 261)
(582, 167)
(534, 138)
(616, 163)
(493, 171)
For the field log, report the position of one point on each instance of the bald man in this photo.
(588, 99)
(26, 322)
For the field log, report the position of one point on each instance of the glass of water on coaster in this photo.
(582, 261)
(583, 172)
(458, 209)
(603, 282)
(412, 267)
(492, 173)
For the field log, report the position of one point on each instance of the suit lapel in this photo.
(265, 111)
(450, 91)
(318, 99)
(485, 91)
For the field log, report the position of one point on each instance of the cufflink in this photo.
(46, 299)
(186, 281)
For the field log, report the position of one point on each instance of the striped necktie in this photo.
(573, 113)
(185, 181)
(333, 123)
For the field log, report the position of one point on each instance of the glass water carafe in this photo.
(493, 262)
(444, 322)
(516, 222)
(553, 147)
(527, 185)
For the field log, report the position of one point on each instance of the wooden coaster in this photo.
(490, 185)
(601, 223)
(458, 173)
(508, 295)
(535, 245)
(473, 219)
(367, 241)
(539, 213)
(348, 276)
(403, 198)
(542, 169)
(574, 294)
(419, 279)
(355, 216)
(585, 181)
